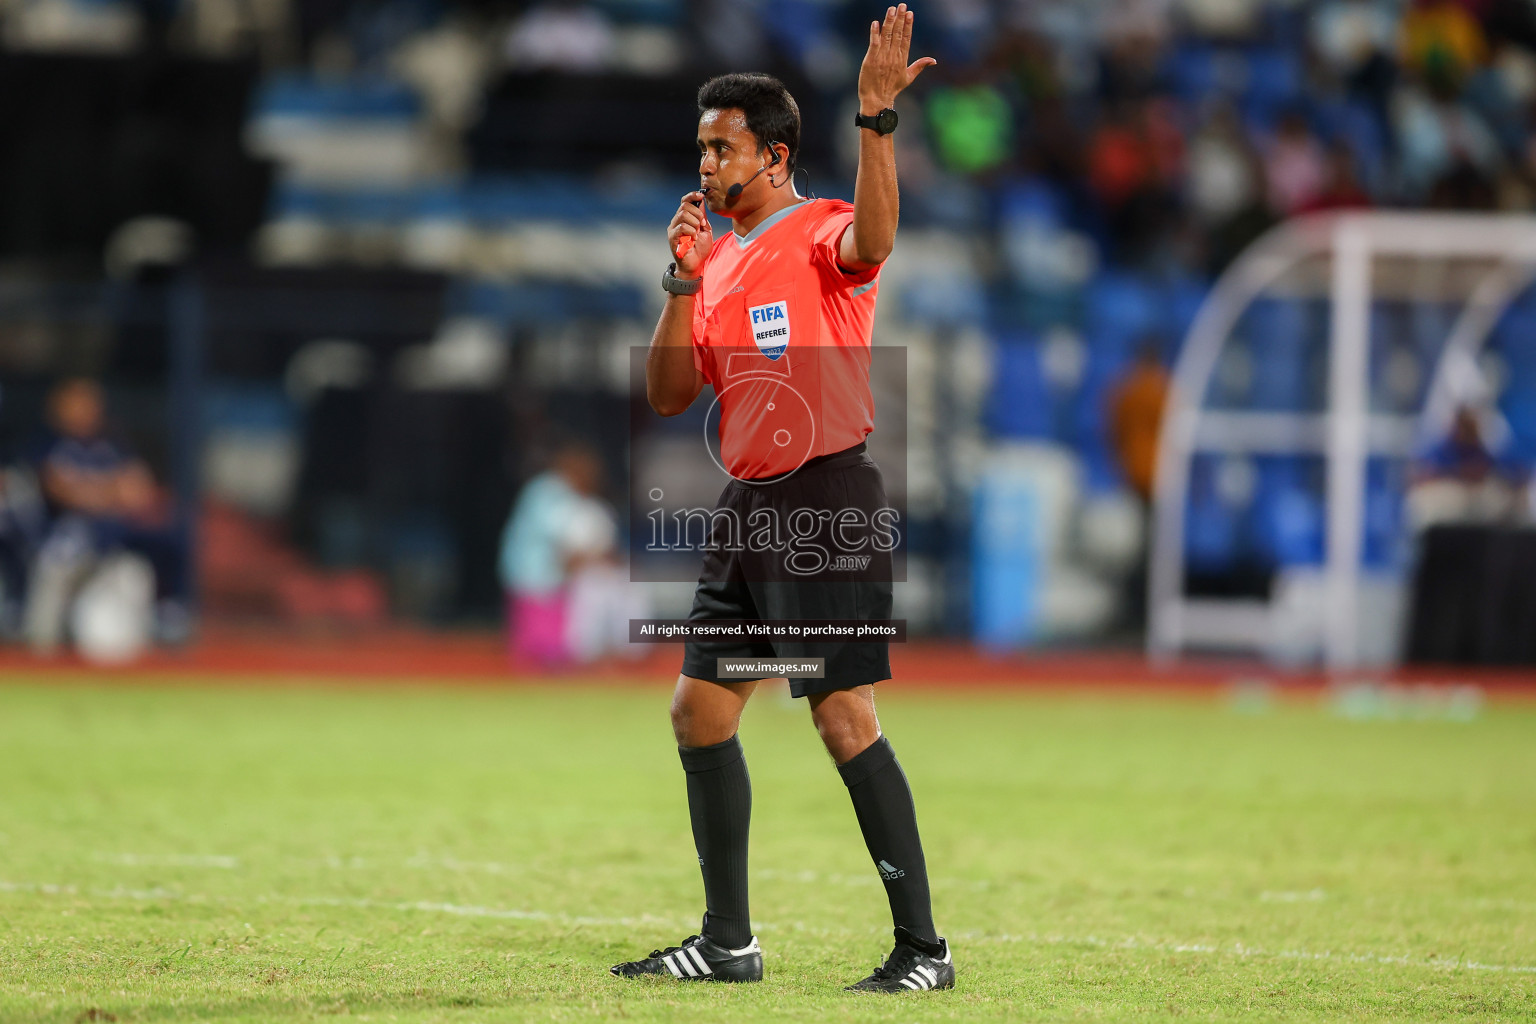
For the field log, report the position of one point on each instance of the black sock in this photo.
(883, 802)
(720, 806)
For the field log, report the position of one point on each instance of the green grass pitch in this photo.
(459, 855)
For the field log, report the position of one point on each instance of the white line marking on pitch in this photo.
(428, 906)
(170, 860)
(426, 862)
(1310, 896)
(984, 938)
(1516, 905)
(46, 888)
(1238, 949)
(422, 861)
(491, 867)
(461, 910)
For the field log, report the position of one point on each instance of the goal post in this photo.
(1481, 262)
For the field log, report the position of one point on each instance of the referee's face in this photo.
(730, 154)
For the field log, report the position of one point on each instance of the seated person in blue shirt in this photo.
(99, 493)
(1465, 479)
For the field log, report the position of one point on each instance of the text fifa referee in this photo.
(777, 317)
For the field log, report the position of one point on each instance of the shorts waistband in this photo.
(833, 460)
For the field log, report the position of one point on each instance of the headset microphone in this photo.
(736, 189)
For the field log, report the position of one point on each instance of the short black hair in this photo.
(771, 112)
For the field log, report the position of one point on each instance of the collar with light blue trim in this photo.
(773, 218)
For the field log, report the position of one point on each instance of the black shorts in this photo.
(738, 584)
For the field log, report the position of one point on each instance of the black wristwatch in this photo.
(679, 285)
(882, 123)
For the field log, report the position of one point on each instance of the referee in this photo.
(777, 318)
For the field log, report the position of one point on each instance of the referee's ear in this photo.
(778, 155)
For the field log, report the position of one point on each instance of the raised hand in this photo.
(885, 71)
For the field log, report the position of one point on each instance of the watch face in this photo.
(886, 121)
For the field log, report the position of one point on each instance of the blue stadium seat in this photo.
(617, 301)
(1511, 338)
(374, 206)
(1292, 526)
(443, 201)
(944, 302)
(290, 201)
(1101, 468)
(1430, 323)
(1274, 82)
(1013, 307)
(478, 298)
(495, 200)
(243, 405)
(1385, 543)
(1120, 310)
(1277, 334)
(1217, 531)
(1007, 567)
(367, 204)
(1092, 401)
(795, 25)
(301, 95)
(1191, 71)
(541, 303)
(1285, 26)
(1362, 129)
(1182, 300)
(1212, 536)
(1020, 404)
(1289, 515)
(1035, 200)
(1519, 410)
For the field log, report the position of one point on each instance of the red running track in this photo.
(410, 655)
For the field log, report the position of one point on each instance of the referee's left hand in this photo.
(885, 71)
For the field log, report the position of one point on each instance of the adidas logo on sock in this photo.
(889, 871)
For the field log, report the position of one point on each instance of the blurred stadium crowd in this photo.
(354, 271)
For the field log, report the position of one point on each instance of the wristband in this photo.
(677, 285)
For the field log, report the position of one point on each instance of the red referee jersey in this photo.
(783, 336)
